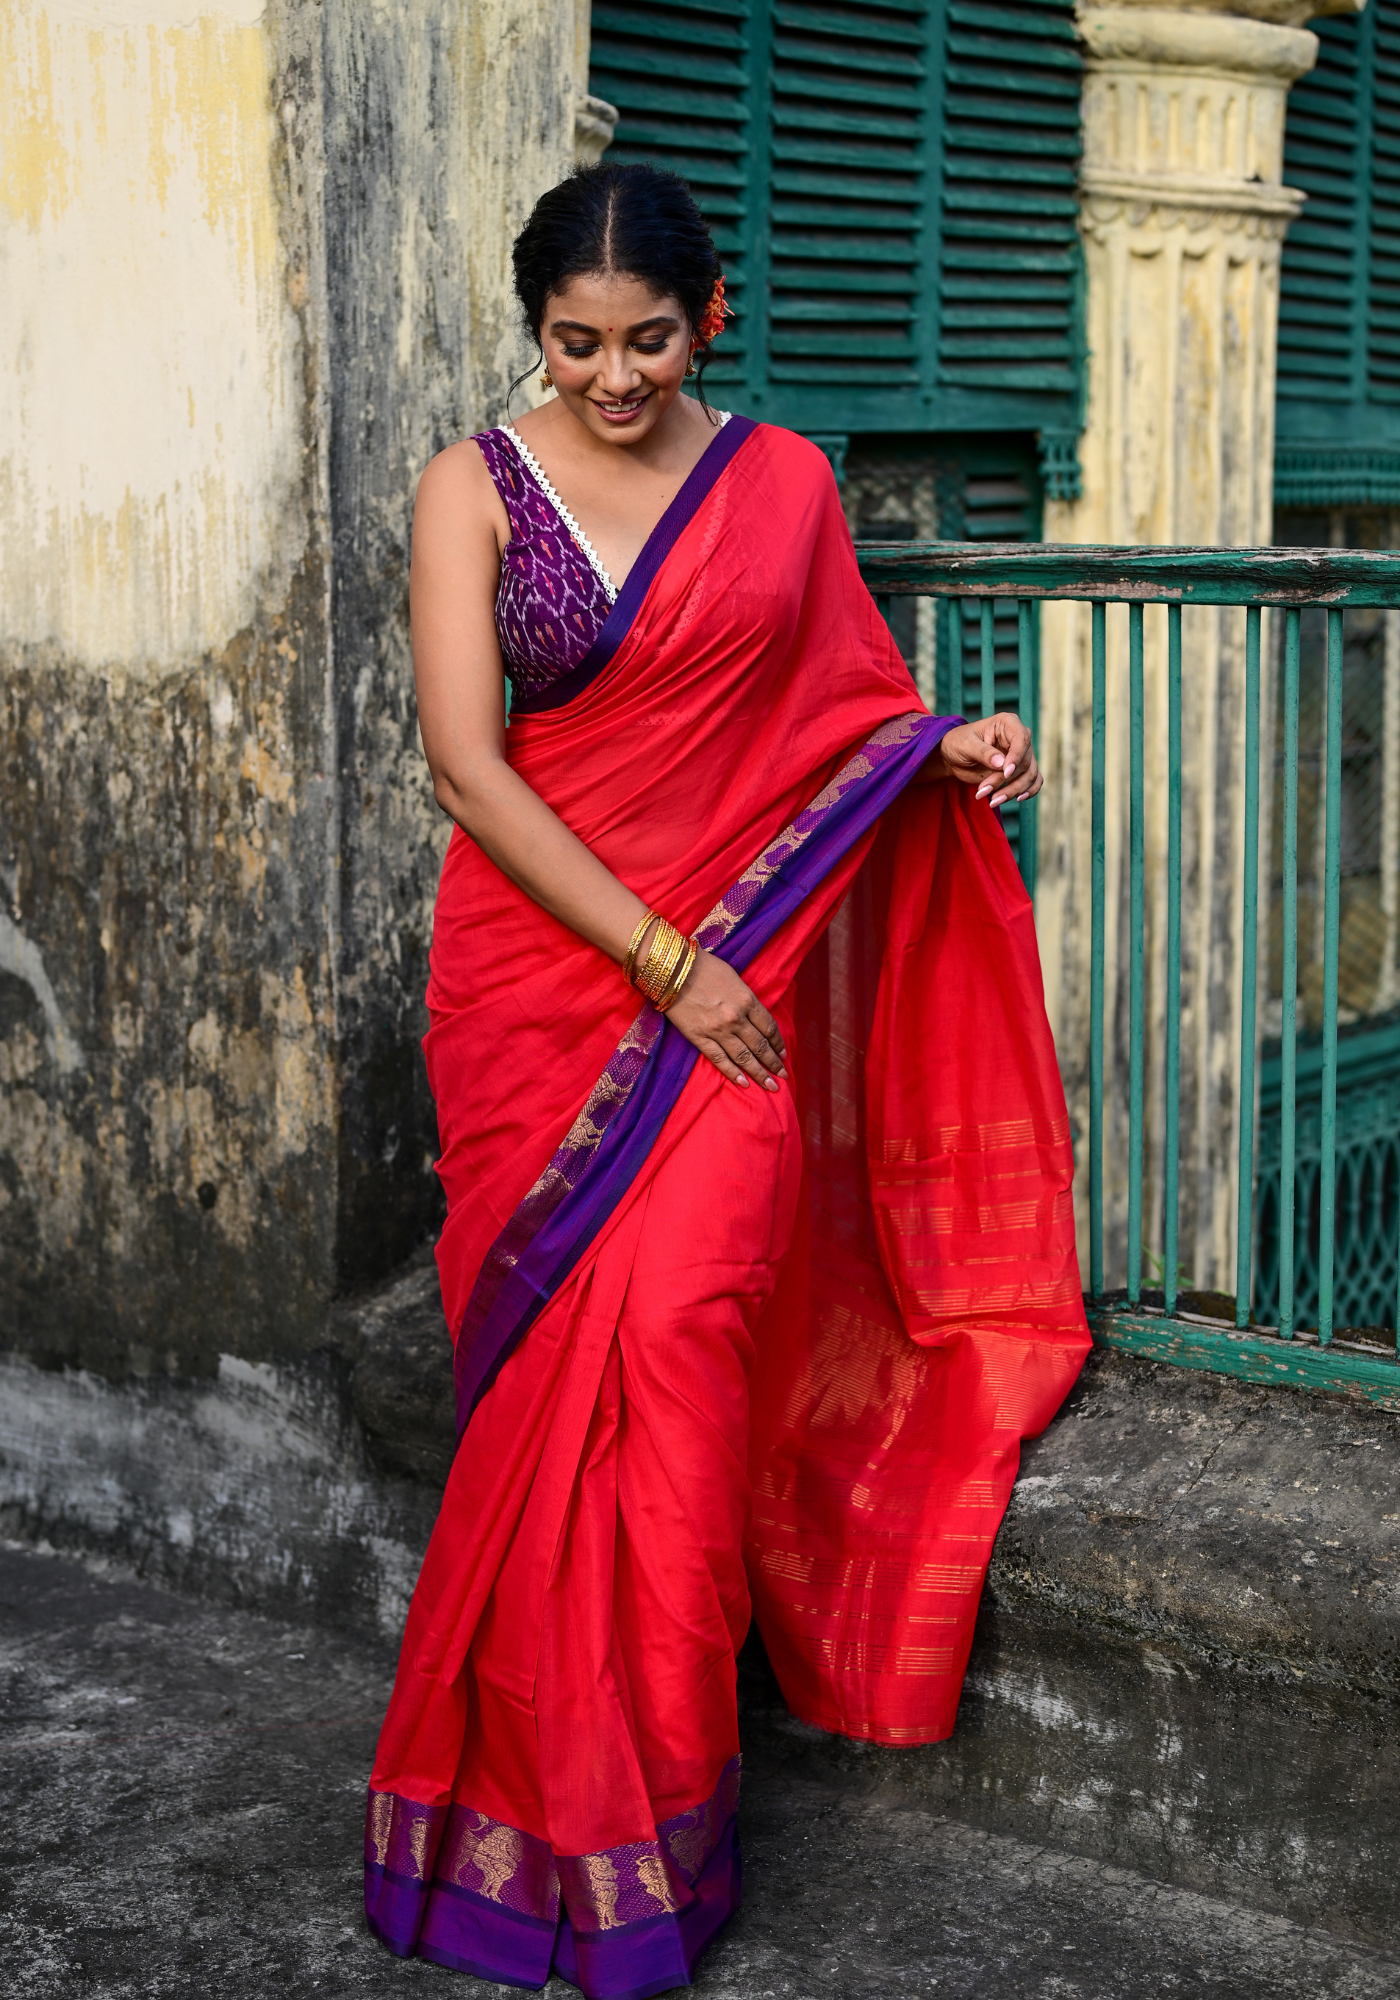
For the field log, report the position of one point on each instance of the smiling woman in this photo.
(759, 1259)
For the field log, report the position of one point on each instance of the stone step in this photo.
(185, 1793)
(1188, 1659)
(1188, 1654)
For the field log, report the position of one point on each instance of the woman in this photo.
(772, 1274)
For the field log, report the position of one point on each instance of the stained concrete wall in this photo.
(256, 273)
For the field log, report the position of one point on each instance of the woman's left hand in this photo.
(994, 754)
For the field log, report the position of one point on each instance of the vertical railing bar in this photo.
(1135, 953)
(1249, 972)
(989, 659)
(1025, 701)
(948, 696)
(1288, 1038)
(1096, 955)
(1170, 1249)
(1332, 889)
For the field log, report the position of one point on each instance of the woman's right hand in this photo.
(729, 1024)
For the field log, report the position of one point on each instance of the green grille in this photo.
(1367, 1180)
(1317, 1200)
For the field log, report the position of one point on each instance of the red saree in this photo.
(712, 1341)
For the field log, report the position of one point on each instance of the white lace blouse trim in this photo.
(542, 481)
(538, 473)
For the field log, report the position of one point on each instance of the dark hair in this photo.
(635, 221)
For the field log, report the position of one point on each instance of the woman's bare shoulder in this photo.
(455, 490)
(455, 474)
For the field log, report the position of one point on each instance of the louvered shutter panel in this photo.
(1010, 253)
(891, 184)
(849, 129)
(1383, 322)
(1338, 410)
(679, 77)
(1321, 280)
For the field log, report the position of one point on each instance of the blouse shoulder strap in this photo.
(510, 478)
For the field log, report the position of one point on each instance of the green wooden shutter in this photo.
(892, 189)
(848, 131)
(679, 77)
(1339, 299)
(1010, 276)
(1383, 322)
(1320, 314)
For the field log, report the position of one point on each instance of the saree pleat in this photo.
(713, 1341)
(595, 1707)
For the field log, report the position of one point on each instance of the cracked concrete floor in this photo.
(184, 1793)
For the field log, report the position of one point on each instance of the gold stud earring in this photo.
(546, 380)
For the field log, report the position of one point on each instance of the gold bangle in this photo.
(629, 964)
(661, 965)
(678, 978)
(668, 1000)
(658, 941)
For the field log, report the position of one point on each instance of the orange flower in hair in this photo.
(715, 314)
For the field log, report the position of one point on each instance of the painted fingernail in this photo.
(742, 1082)
(770, 1083)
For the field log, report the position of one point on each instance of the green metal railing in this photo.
(1285, 581)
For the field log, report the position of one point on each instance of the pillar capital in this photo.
(1180, 38)
(1183, 118)
(1283, 13)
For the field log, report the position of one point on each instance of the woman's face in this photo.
(617, 354)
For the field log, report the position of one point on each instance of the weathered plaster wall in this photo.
(256, 271)
(443, 126)
(151, 499)
(167, 955)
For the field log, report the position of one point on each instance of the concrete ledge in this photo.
(1279, 1797)
(396, 1342)
(252, 1488)
(1188, 1653)
(1253, 1526)
(1259, 1526)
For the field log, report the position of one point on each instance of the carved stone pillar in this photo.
(1183, 216)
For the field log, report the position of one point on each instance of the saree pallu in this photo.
(716, 1345)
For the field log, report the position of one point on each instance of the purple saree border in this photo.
(628, 1106)
(699, 484)
(453, 1885)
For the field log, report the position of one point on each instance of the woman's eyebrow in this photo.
(581, 326)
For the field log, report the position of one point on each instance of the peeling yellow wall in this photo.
(150, 374)
(256, 272)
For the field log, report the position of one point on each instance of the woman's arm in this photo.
(459, 529)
